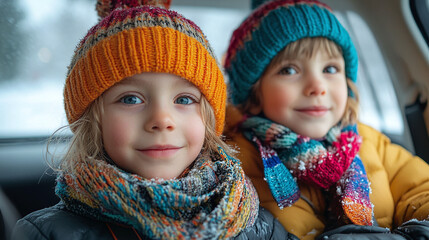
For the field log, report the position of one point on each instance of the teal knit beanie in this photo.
(269, 29)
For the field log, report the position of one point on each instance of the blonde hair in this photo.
(307, 47)
(87, 143)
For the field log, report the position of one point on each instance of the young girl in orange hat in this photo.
(145, 99)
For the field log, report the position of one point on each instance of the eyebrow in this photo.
(188, 83)
(131, 80)
(126, 81)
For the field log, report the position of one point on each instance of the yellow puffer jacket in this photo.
(399, 182)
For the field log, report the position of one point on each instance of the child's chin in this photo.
(313, 133)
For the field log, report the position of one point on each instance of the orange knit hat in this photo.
(134, 37)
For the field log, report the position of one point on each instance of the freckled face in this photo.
(152, 124)
(307, 95)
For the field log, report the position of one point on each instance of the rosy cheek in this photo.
(341, 98)
(276, 98)
(195, 131)
(115, 133)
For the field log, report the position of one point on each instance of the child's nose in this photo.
(160, 120)
(314, 87)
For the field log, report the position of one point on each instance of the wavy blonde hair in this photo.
(87, 142)
(307, 47)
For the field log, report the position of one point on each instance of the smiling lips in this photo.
(160, 151)
(316, 111)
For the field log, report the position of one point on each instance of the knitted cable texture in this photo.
(135, 39)
(330, 163)
(214, 200)
(269, 29)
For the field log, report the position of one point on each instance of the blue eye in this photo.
(130, 99)
(288, 71)
(330, 69)
(184, 100)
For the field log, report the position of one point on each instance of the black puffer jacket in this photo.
(58, 223)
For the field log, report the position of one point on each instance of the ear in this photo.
(256, 109)
(256, 100)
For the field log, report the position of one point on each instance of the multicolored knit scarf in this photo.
(329, 163)
(214, 200)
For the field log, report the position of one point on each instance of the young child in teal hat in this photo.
(292, 70)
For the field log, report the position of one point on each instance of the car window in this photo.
(34, 59)
(380, 109)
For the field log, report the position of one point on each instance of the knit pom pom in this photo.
(105, 7)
